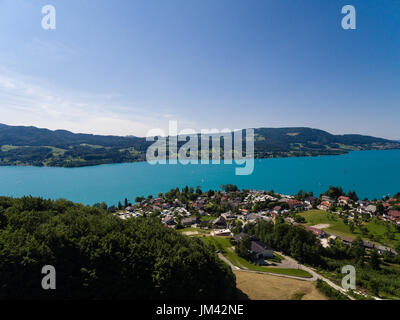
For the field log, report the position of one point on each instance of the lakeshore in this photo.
(373, 174)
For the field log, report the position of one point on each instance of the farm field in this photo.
(338, 227)
(266, 287)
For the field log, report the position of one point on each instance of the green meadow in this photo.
(376, 227)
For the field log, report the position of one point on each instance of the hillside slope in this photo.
(42, 147)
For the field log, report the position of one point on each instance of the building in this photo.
(344, 200)
(383, 249)
(370, 209)
(168, 220)
(219, 223)
(189, 221)
(260, 251)
(347, 241)
(325, 205)
(368, 245)
(394, 214)
(294, 204)
(228, 215)
(240, 236)
(252, 217)
(221, 233)
(317, 232)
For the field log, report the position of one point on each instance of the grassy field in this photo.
(201, 231)
(266, 287)
(224, 245)
(338, 227)
(207, 218)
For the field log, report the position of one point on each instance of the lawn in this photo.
(338, 227)
(202, 231)
(207, 218)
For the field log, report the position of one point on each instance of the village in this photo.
(225, 213)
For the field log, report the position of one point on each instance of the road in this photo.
(295, 265)
(317, 275)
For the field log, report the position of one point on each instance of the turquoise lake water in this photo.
(371, 174)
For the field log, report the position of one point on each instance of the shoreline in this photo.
(144, 161)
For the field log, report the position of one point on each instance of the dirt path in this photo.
(321, 226)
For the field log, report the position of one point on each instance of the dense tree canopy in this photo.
(97, 255)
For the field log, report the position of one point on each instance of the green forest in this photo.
(99, 256)
(60, 148)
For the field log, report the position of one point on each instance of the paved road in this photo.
(316, 275)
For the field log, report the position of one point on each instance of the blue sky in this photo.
(125, 67)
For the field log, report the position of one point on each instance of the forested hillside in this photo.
(60, 148)
(99, 256)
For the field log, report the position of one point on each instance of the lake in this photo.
(371, 174)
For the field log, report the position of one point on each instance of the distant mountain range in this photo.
(42, 147)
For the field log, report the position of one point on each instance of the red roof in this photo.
(394, 213)
(315, 231)
(294, 202)
(326, 203)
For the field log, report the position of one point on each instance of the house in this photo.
(309, 200)
(238, 237)
(130, 209)
(383, 249)
(362, 204)
(326, 198)
(252, 217)
(166, 205)
(325, 205)
(317, 232)
(293, 204)
(260, 251)
(368, 245)
(189, 221)
(228, 215)
(277, 209)
(168, 220)
(268, 219)
(370, 209)
(219, 223)
(344, 200)
(394, 214)
(346, 240)
(221, 233)
(386, 205)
